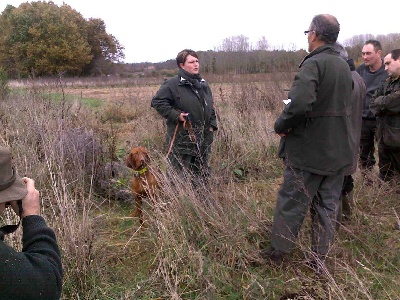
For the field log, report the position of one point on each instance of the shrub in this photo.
(4, 88)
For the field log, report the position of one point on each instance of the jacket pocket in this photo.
(391, 136)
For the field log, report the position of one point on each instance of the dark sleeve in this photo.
(164, 101)
(389, 104)
(302, 94)
(213, 120)
(36, 272)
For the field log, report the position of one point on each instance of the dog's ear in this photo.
(130, 162)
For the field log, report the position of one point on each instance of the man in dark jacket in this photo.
(373, 73)
(187, 104)
(385, 104)
(347, 202)
(315, 145)
(36, 272)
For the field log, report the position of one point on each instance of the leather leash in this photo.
(188, 126)
(173, 139)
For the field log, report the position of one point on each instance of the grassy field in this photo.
(72, 138)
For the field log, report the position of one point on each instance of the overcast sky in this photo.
(156, 30)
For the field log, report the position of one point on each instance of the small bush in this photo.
(4, 88)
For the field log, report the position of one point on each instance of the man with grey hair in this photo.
(338, 47)
(347, 202)
(314, 128)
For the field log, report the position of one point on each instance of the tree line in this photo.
(237, 55)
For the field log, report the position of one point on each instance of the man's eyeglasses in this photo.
(308, 31)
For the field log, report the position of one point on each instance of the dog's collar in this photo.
(140, 172)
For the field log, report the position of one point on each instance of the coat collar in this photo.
(320, 49)
(183, 80)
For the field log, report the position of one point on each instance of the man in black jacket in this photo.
(374, 74)
(347, 203)
(385, 104)
(315, 144)
(36, 272)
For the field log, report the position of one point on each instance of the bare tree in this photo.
(239, 43)
(262, 44)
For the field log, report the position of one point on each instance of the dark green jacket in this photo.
(36, 272)
(317, 121)
(385, 104)
(178, 95)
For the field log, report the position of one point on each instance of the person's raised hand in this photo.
(31, 202)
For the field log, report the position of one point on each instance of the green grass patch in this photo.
(92, 102)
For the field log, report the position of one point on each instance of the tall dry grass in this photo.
(53, 143)
(198, 243)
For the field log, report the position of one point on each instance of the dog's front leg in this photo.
(137, 212)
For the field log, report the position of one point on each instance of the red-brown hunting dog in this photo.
(144, 183)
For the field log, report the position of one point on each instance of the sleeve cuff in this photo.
(33, 221)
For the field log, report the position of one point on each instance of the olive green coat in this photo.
(317, 121)
(177, 95)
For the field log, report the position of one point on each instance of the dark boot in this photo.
(348, 205)
(273, 255)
